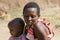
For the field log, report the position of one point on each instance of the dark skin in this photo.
(40, 31)
(15, 30)
(30, 17)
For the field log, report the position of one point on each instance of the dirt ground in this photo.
(50, 9)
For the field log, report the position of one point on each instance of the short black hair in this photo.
(31, 5)
(17, 21)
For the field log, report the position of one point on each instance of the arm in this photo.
(51, 32)
(39, 31)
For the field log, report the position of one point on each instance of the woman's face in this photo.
(31, 16)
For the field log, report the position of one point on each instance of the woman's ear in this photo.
(38, 15)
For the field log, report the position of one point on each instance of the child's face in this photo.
(15, 31)
(31, 15)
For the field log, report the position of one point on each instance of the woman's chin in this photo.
(29, 23)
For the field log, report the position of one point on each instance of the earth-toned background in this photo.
(10, 9)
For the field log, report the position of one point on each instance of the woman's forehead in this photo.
(31, 9)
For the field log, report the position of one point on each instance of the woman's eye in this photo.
(32, 16)
(26, 16)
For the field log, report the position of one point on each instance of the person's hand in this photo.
(50, 36)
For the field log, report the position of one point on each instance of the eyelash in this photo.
(32, 16)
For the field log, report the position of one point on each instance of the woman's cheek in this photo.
(34, 20)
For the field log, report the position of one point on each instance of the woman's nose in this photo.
(30, 18)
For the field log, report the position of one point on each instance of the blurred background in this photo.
(10, 9)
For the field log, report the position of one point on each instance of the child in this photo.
(35, 29)
(16, 28)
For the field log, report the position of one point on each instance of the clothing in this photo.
(30, 34)
(22, 37)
